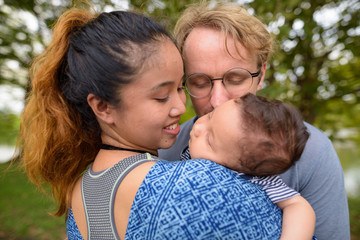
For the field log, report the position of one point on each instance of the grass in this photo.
(24, 210)
(354, 206)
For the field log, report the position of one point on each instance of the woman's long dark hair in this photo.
(59, 135)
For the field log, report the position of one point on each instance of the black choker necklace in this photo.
(110, 147)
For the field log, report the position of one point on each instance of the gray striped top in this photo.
(98, 193)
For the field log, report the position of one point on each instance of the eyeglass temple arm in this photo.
(255, 74)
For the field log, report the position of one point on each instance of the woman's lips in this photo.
(173, 128)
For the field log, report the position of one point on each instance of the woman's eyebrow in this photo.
(163, 84)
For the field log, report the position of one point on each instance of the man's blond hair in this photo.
(231, 19)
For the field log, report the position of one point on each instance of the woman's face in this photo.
(151, 106)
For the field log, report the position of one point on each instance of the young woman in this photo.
(106, 94)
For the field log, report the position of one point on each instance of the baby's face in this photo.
(215, 135)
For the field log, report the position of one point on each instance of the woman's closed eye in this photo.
(162, 100)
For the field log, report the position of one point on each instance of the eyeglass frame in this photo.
(253, 75)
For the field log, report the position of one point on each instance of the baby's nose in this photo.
(197, 129)
(200, 125)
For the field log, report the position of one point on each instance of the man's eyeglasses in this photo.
(236, 81)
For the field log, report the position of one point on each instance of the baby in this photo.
(259, 138)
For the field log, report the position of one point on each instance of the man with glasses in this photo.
(225, 52)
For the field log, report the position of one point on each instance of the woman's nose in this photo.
(179, 107)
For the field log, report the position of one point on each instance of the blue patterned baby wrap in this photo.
(199, 199)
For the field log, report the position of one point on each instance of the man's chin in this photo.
(203, 112)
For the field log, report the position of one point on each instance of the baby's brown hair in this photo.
(274, 136)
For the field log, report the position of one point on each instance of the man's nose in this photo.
(218, 94)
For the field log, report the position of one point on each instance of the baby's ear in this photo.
(100, 108)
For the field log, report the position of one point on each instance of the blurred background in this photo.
(316, 67)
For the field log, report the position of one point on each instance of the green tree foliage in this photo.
(9, 124)
(318, 42)
(317, 62)
(315, 66)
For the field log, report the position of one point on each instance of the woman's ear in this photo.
(100, 108)
(262, 76)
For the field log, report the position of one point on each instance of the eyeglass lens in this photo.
(236, 81)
